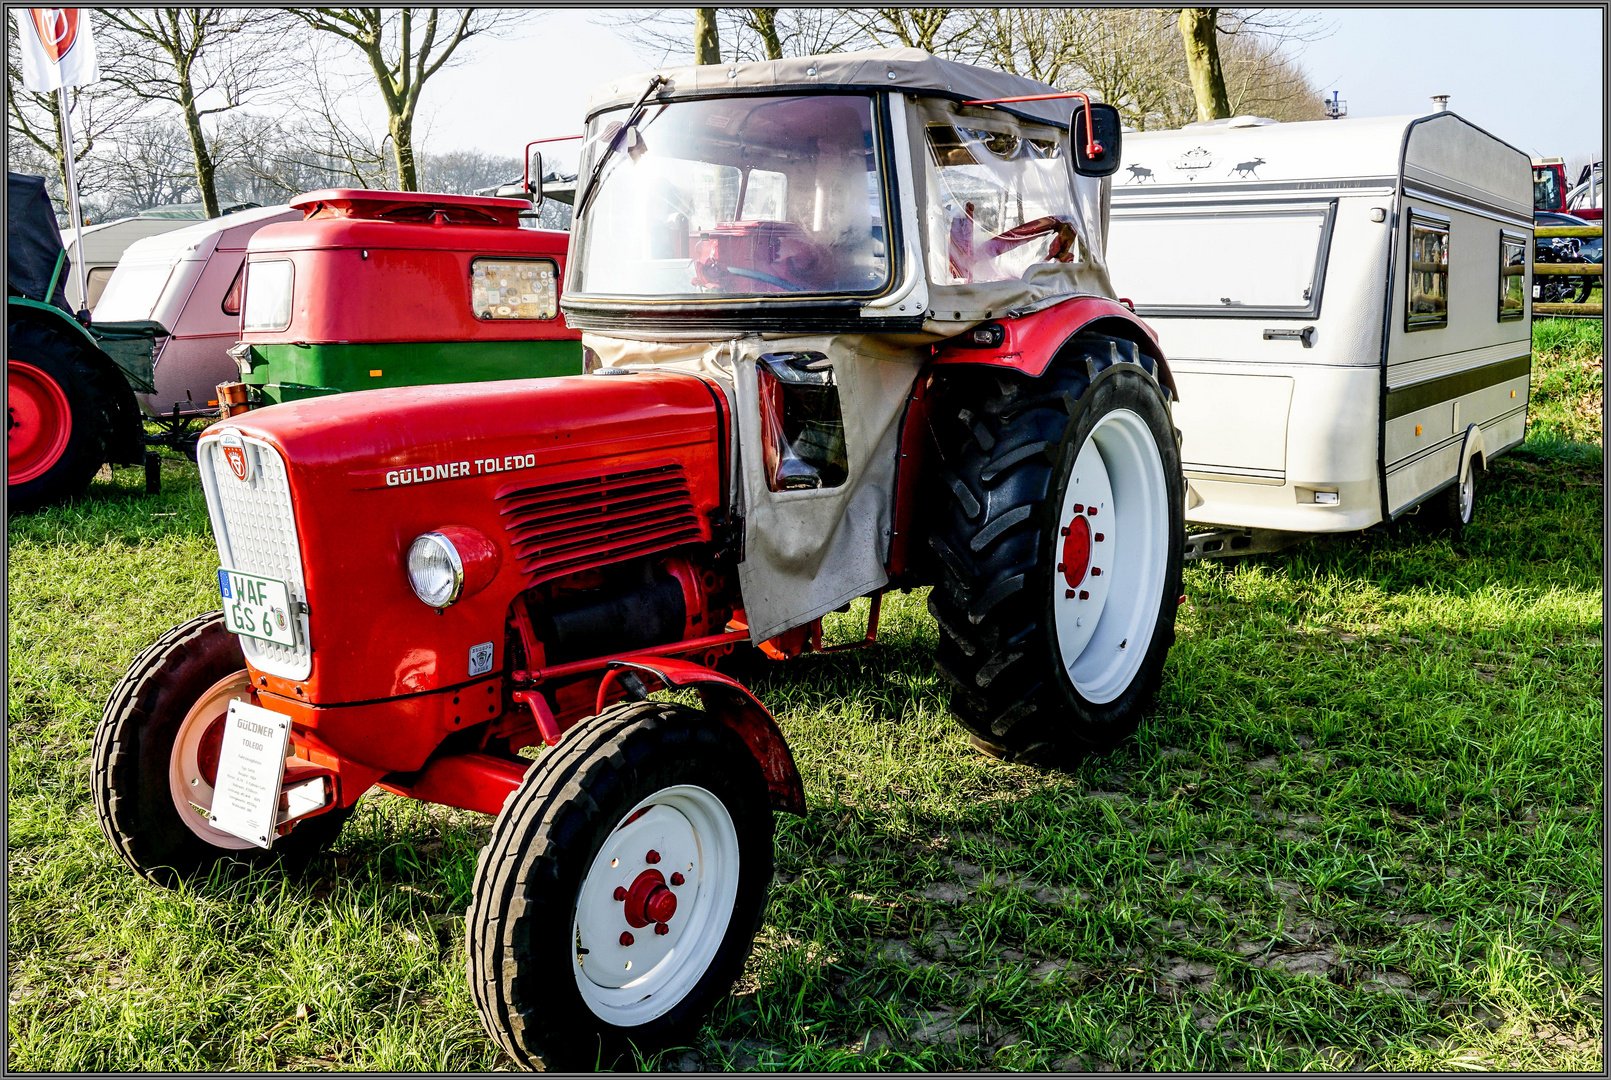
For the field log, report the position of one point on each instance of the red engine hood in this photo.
(370, 471)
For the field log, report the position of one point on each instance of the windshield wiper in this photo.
(615, 144)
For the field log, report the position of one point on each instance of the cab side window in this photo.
(1427, 292)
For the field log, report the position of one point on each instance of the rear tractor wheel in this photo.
(1060, 539)
(55, 417)
(621, 890)
(155, 759)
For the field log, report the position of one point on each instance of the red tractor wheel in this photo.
(621, 890)
(39, 422)
(155, 759)
(55, 416)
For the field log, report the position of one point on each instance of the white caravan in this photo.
(1346, 306)
(189, 280)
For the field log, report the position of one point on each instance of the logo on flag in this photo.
(57, 48)
(234, 448)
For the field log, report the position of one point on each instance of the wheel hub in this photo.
(649, 900)
(1076, 549)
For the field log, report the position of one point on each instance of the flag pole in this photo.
(72, 198)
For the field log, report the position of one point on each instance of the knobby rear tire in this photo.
(1009, 445)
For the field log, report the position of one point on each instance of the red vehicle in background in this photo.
(1551, 192)
(375, 289)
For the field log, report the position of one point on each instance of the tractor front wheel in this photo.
(1059, 537)
(621, 889)
(155, 759)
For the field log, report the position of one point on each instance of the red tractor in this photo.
(849, 328)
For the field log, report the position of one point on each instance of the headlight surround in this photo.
(435, 570)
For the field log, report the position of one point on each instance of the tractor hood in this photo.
(335, 489)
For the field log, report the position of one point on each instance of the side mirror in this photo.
(1094, 134)
(534, 174)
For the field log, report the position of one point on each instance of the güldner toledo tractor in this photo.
(849, 328)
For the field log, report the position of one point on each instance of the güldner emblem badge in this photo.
(234, 447)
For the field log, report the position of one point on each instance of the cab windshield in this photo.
(734, 197)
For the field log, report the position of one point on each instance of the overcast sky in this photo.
(1532, 76)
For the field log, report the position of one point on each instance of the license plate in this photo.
(251, 765)
(257, 606)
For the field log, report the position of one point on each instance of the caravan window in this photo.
(1231, 261)
(1427, 297)
(1512, 274)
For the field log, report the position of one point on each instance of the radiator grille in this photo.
(256, 534)
(562, 527)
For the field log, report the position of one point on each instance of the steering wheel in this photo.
(768, 279)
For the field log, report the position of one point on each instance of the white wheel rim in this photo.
(1468, 498)
(186, 783)
(1105, 617)
(691, 832)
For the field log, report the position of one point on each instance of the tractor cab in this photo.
(805, 232)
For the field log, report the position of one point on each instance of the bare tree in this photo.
(34, 127)
(746, 34)
(205, 61)
(948, 32)
(1045, 44)
(404, 47)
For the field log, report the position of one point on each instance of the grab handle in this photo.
(1306, 335)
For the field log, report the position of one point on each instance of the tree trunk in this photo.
(707, 49)
(766, 25)
(205, 166)
(1199, 30)
(402, 132)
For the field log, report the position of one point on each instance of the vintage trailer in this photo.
(188, 280)
(105, 243)
(1346, 308)
(372, 289)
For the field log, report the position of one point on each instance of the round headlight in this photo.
(435, 571)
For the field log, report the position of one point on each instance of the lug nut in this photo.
(626, 937)
(1064, 532)
(1084, 595)
(1092, 511)
(1096, 571)
(1068, 594)
(620, 893)
(662, 929)
(652, 858)
(1079, 508)
(676, 879)
(1099, 538)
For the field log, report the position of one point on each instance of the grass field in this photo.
(1362, 829)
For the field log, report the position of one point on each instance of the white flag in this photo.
(57, 49)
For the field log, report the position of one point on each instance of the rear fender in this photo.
(730, 702)
(1030, 343)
